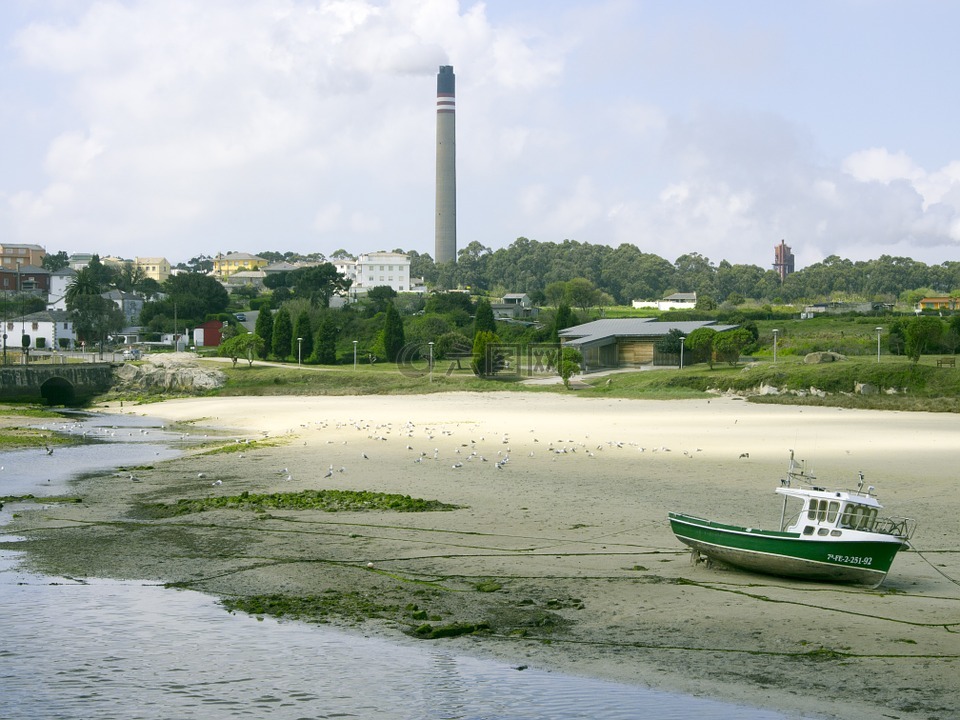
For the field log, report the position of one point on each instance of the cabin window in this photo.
(832, 511)
(808, 530)
(858, 517)
(823, 531)
(823, 510)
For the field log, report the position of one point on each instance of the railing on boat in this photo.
(900, 527)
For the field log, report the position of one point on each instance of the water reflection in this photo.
(125, 650)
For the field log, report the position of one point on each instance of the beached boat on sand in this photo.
(834, 535)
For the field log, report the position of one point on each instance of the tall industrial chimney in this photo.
(446, 227)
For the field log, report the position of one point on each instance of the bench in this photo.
(947, 362)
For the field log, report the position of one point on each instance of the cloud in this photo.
(179, 110)
(184, 126)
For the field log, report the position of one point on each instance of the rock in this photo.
(865, 389)
(816, 358)
(171, 372)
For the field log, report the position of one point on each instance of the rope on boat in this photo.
(924, 558)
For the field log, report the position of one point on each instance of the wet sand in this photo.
(570, 534)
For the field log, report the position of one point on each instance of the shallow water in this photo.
(110, 649)
(106, 443)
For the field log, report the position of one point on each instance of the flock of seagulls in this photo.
(466, 449)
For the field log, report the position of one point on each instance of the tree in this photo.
(129, 277)
(453, 346)
(303, 330)
(282, 334)
(700, 344)
(487, 359)
(484, 320)
(325, 346)
(85, 282)
(922, 335)
(393, 340)
(379, 297)
(729, 344)
(194, 297)
(56, 261)
(264, 329)
(581, 293)
(95, 317)
(670, 343)
(570, 362)
(706, 302)
(564, 318)
(104, 274)
(248, 345)
(318, 283)
(555, 292)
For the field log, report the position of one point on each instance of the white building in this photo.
(677, 301)
(47, 329)
(375, 269)
(59, 282)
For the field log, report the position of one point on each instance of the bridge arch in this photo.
(58, 391)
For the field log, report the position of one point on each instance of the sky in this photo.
(191, 127)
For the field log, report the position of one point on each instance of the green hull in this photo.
(849, 558)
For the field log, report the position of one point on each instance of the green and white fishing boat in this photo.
(831, 535)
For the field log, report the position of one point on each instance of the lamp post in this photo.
(299, 351)
(431, 360)
(682, 339)
(775, 331)
(879, 330)
(354, 354)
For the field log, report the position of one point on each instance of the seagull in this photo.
(201, 475)
(364, 455)
(329, 474)
(217, 482)
(744, 455)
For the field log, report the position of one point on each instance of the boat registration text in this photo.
(850, 559)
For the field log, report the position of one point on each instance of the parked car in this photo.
(241, 317)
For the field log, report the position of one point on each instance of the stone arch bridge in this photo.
(68, 384)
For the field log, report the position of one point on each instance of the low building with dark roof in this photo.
(625, 342)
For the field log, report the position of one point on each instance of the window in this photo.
(858, 517)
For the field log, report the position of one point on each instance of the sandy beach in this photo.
(567, 543)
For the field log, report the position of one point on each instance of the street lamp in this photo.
(354, 354)
(775, 331)
(299, 351)
(682, 338)
(879, 330)
(431, 360)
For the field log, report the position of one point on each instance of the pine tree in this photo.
(304, 347)
(282, 334)
(483, 319)
(325, 348)
(393, 340)
(264, 329)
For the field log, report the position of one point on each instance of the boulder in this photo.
(165, 373)
(816, 358)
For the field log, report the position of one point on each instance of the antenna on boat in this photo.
(860, 483)
(796, 470)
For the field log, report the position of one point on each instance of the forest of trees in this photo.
(626, 273)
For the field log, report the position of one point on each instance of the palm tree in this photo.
(85, 282)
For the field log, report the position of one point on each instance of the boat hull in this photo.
(845, 559)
